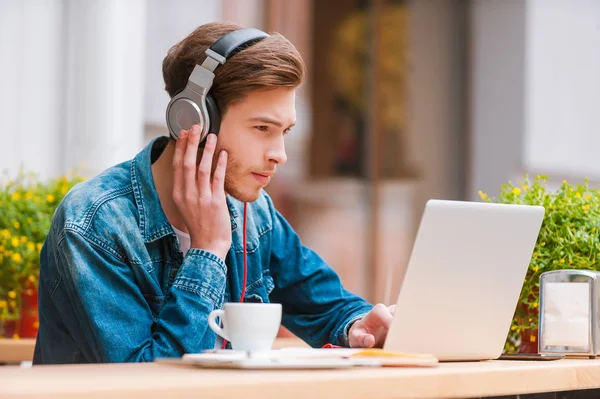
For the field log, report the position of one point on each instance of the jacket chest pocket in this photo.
(258, 292)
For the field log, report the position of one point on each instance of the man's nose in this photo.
(276, 153)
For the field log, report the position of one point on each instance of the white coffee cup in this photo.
(248, 326)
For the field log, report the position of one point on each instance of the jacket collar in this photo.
(153, 222)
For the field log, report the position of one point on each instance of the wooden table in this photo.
(449, 380)
(16, 350)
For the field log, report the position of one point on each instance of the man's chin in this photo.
(249, 195)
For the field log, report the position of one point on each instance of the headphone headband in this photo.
(230, 44)
(237, 40)
(194, 104)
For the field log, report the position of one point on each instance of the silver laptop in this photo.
(463, 279)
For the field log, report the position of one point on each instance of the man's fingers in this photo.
(189, 164)
(392, 309)
(218, 184)
(368, 341)
(204, 169)
(380, 316)
(361, 339)
(180, 147)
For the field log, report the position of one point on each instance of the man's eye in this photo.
(262, 128)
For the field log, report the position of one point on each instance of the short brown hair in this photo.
(271, 63)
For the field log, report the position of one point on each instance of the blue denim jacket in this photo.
(115, 287)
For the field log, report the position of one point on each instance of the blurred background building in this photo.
(405, 101)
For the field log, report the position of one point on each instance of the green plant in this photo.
(568, 239)
(26, 209)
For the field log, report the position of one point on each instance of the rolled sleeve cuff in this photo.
(202, 273)
(343, 336)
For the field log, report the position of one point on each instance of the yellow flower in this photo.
(524, 187)
(538, 177)
(15, 336)
(28, 195)
(16, 196)
(13, 304)
(578, 195)
(551, 206)
(31, 246)
(38, 246)
(15, 242)
(513, 328)
(570, 261)
(2, 249)
(482, 195)
(586, 208)
(3, 304)
(12, 294)
(17, 258)
(31, 279)
(6, 233)
(535, 304)
(562, 261)
(24, 240)
(64, 189)
(516, 191)
(50, 198)
(564, 182)
(588, 197)
(535, 269)
(532, 338)
(543, 244)
(16, 224)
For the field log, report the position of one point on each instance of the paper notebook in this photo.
(305, 358)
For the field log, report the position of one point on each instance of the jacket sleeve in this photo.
(316, 307)
(110, 319)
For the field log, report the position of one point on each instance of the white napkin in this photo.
(566, 314)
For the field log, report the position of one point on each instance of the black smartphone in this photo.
(530, 356)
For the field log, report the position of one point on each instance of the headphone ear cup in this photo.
(182, 113)
(214, 114)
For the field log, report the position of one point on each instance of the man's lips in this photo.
(265, 174)
(262, 177)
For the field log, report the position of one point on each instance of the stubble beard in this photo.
(234, 174)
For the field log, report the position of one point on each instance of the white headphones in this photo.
(194, 104)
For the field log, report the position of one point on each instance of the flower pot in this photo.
(27, 325)
(529, 341)
(529, 336)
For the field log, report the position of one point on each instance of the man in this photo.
(137, 257)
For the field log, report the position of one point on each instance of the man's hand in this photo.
(200, 202)
(371, 330)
